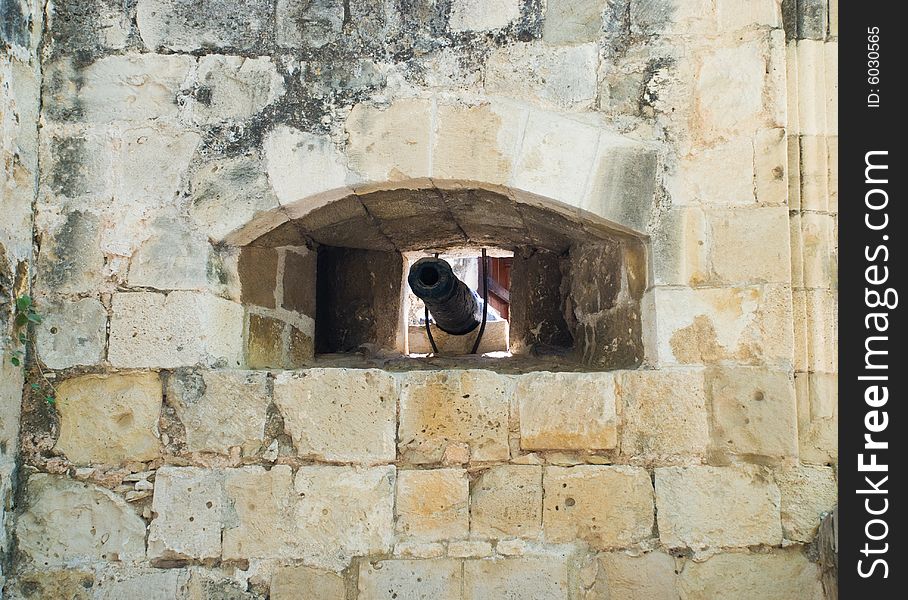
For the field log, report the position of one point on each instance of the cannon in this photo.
(454, 306)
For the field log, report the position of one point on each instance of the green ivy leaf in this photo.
(23, 303)
(23, 339)
(15, 360)
(21, 319)
(35, 386)
(34, 317)
(50, 400)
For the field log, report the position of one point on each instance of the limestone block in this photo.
(189, 504)
(623, 182)
(818, 417)
(390, 143)
(68, 522)
(469, 549)
(626, 577)
(730, 89)
(717, 507)
(344, 512)
(812, 88)
(435, 579)
(721, 174)
(821, 307)
(780, 575)
(680, 253)
(186, 26)
(130, 87)
(808, 493)
(288, 582)
(265, 342)
(257, 269)
(74, 164)
(302, 164)
(220, 409)
(507, 501)
(567, 411)
(72, 28)
(771, 172)
(555, 76)
(342, 415)
(606, 506)
(814, 163)
(749, 245)
(749, 325)
(69, 583)
(70, 260)
(456, 415)
(174, 256)
(109, 418)
(547, 162)
(753, 412)
(140, 582)
(483, 15)
(476, 142)
(234, 87)
(432, 505)
(180, 329)
(673, 17)
(299, 281)
(664, 415)
(262, 522)
(72, 333)
(228, 193)
(573, 21)
(308, 24)
(820, 250)
(540, 578)
(735, 14)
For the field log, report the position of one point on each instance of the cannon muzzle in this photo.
(454, 306)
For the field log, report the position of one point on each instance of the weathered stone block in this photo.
(299, 282)
(302, 164)
(180, 329)
(72, 333)
(234, 87)
(311, 24)
(220, 409)
(720, 175)
(189, 504)
(555, 76)
(432, 505)
(69, 584)
(70, 260)
(567, 411)
(664, 415)
(288, 582)
(808, 493)
(262, 522)
(606, 506)
(441, 579)
(623, 183)
(175, 256)
(753, 412)
(183, 26)
(265, 342)
(626, 577)
(780, 575)
(130, 87)
(343, 512)
(228, 193)
(342, 415)
(68, 522)
(390, 143)
(476, 142)
(672, 17)
(771, 167)
(109, 418)
(257, 269)
(730, 89)
(479, 15)
(454, 415)
(702, 507)
(749, 245)
(573, 21)
(734, 14)
(818, 416)
(507, 501)
(140, 582)
(543, 578)
(748, 325)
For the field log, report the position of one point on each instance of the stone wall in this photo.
(191, 152)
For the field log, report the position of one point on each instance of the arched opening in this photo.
(331, 283)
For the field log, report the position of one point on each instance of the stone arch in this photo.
(578, 278)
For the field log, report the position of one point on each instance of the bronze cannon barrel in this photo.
(454, 306)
